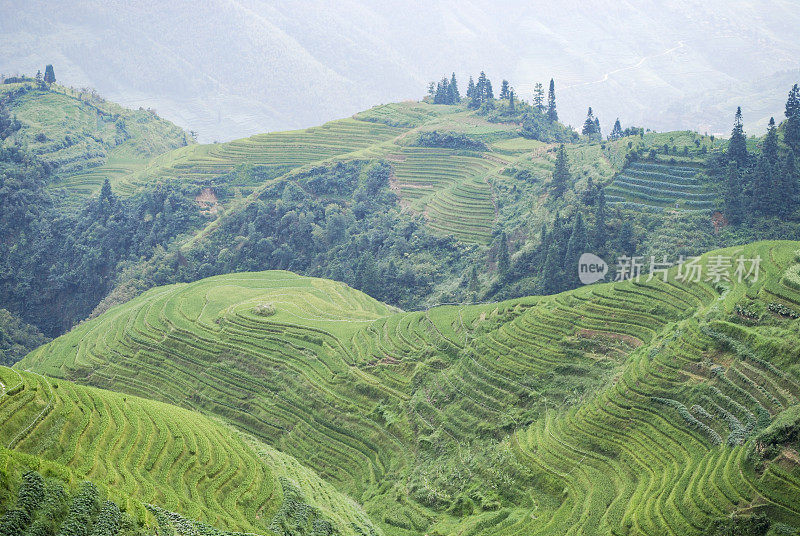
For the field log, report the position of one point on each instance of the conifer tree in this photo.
(474, 283)
(480, 87)
(471, 88)
(600, 234)
(441, 92)
(552, 115)
(790, 191)
(538, 96)
(737, 146)
(761, 202)
(49, 74)
(576, 246)
(453, 96)
(431, 90)
(551, 271)
(597, 132)
(504, 90)
(512, 106)
(488, 94)
(502, 256)
(561, 174)
(734, 211)
(588, 125)
(616, 132)
(791, 134)
(625, 238)
(770, 149)
(767, 181)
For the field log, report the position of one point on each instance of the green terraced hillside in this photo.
(83, 137)
(639, 407)
(656, 186)
(458, 192)
(153, 458)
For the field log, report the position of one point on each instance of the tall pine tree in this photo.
(442, 93)
(561, 174)
(588, 125)
(576, 246)
(761, 203)
(453, 96)
(734, 210)
(616, 132)
(488, 94)
(790, 191)
(737, 146)
(538, 96)
(552, 115)
(504, 89)
(600, 234)
(471, 88)
(791, 134)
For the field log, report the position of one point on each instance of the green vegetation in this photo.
(17, 338)
(81, 137)
(143, 453)
(631, 407)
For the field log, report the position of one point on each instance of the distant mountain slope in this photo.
(633, 407)
(230, 69)
(77, 132)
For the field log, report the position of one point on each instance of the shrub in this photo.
(782, 310)
(713, 436)
(264, 309)
(449, 140)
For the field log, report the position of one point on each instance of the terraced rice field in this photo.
(652, 186)
(620, 408)
(278, 150)
(141, 450)
(451, 188)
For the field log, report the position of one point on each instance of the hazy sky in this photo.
(231, 68)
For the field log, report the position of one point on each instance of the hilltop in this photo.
(630, 407)
(75, 131)
(414, 203)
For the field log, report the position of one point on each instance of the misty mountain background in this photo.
(231, 68)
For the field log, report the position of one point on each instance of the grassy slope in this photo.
(529, 416)
(147, 452)
(84, 137)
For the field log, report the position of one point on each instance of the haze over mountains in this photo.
(241, 67)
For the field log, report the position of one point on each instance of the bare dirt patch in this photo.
(594, 333)
(207, 201)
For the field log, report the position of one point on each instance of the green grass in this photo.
(84, 137)
(146, 452)
(537, 415)
(648, 185)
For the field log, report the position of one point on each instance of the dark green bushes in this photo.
(449, 140)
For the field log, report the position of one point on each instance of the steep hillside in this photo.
(636, 407)
(33, 504)
(82, 137)
(159, 463)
